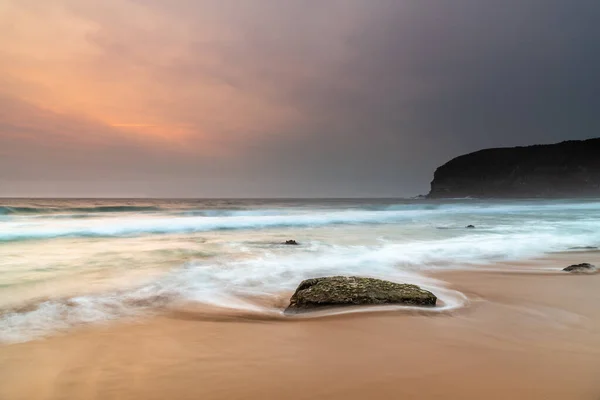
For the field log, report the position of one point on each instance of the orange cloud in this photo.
(91, 60)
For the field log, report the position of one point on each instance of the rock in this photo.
(291, 243)
(470, 226)
(346, 291)
(584, 268)
(567, 169)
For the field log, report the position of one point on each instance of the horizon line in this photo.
(204, 198)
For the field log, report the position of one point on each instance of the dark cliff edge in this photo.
(567, 169)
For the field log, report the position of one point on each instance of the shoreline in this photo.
(529, 336)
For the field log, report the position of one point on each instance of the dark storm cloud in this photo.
(369, 97)
(430, 80)
(420, 82)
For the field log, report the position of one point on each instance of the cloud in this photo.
(297, 98)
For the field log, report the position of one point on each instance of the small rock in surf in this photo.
(470, 226)
(291, 243)
(353, 291)
(584, 268)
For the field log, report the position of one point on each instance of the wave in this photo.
(235, 213)
(511, 217)
(241, 285)
(258, 288)
(8, 210)
(10, 231)
(232, 208)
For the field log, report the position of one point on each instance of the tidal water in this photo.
(65, 263)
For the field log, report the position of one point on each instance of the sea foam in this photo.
(249, 266)
(139, 224)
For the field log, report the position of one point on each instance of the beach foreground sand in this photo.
(522, 336)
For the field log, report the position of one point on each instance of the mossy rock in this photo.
(336, 291)
(584, 268)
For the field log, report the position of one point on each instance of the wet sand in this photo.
(522, 336)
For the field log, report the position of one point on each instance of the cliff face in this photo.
(567, 169)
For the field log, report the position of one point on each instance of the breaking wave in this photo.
(188, 221)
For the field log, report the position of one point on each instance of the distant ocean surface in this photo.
(64, 263)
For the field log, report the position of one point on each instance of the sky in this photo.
(271, 98)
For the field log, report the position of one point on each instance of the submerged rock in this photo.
(353, 290)
(291, 243)
(470, 226)
(581, 268)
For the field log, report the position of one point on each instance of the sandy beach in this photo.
(299, 200)
(521, 336)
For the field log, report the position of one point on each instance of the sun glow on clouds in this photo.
(282, 98)
(133, 125)
(90, 59)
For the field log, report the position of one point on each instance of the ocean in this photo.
(71, 262)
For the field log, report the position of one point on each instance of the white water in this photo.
(72, 264)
